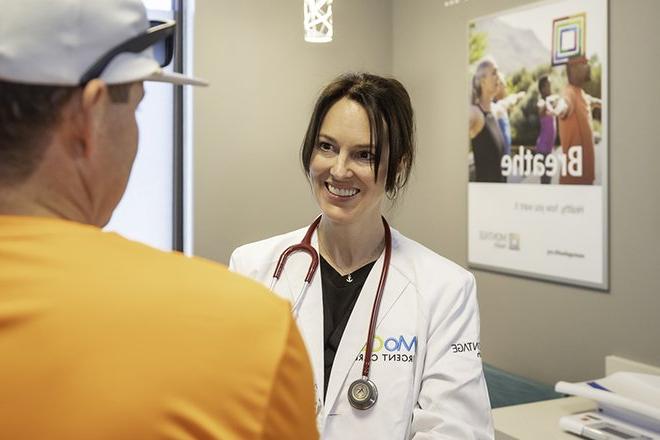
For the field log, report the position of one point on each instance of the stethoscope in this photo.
(362, 394)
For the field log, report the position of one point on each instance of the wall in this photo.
(537, 329)
(250, 123)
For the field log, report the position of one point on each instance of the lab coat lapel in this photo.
(310, 314)
(357, 328)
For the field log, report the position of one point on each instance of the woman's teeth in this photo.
(341, 191)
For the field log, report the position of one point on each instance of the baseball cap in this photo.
(70, 42)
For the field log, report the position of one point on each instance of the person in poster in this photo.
(575, 121)
(547, 121)
(485, 134)
(502, 104)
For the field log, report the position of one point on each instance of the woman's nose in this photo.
(341, 167)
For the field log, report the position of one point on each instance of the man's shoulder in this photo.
(143, 269)
(571, 92)
(139, 275)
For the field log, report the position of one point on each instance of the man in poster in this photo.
(575, 123)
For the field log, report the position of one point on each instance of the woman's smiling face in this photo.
(341, 167)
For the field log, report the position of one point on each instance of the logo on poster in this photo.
(514, 242)
(501, 240)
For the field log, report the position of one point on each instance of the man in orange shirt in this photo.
(102, 337)
(575, 122)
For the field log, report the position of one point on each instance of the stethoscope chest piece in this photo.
(362, 394)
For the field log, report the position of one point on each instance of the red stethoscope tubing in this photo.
(379, 296)
(306, 246)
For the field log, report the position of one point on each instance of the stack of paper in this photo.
(632, 397)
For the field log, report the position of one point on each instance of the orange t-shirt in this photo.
(105, 338)
(575, 129)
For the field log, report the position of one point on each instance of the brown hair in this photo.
(391, 119)
(27, 115)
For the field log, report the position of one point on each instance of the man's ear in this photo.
(92, 111)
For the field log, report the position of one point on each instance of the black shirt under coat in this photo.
(339, 298)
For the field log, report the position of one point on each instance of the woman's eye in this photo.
(366, 156)
(324, 146)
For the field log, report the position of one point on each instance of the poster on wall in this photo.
(538, 142)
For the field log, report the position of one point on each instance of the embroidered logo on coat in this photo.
(466, 347)
(392, 349)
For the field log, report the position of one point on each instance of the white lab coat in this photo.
(431, 387)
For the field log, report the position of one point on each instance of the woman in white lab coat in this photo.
(425, 361)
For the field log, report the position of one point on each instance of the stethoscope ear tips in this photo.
(362, 394)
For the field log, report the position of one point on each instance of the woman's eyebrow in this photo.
(334, 141)
(328, 137)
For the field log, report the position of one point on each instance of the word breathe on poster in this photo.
(529, 164)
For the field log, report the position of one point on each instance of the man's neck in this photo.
(23, 200)
(575, 83)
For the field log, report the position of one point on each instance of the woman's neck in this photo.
(485, 102)
(348, 247)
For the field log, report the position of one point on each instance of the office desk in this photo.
(538, 420)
